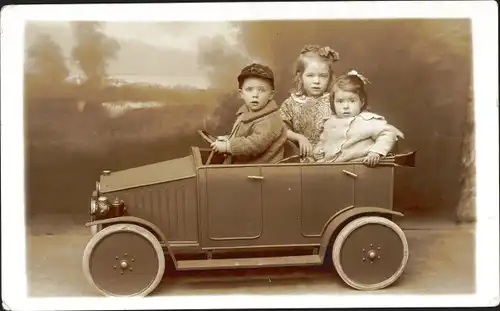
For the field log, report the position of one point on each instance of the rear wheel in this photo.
(124, 260)
(370, 253)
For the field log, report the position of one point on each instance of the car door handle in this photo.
(256, 177)
(350, 173)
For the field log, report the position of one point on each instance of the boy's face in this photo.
(315, 77)
(256, 93)
(347, 104)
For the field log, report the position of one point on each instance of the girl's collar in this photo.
(304, 99)
(365, 115)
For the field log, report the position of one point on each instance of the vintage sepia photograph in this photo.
(257, 157)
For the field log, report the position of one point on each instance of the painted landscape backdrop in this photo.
(116, 95)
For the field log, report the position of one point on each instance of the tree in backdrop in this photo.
(91, 53)
(222, 62)
(45, 67)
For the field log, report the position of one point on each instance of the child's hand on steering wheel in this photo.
(222, 138)
(220, 146)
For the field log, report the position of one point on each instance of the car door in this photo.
(326, 189)
(281, 200)
(232, 213)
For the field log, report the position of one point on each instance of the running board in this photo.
(209, 264)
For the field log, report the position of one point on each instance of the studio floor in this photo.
(441, 262)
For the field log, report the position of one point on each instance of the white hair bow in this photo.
(357, 74)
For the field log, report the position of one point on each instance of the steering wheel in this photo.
(209, 139)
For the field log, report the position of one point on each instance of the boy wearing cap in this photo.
(258, 134)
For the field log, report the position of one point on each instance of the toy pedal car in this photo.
(202, 214)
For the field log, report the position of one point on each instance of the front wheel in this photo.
(370, 253)
(124, 260)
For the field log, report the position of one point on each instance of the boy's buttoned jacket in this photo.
(258, 136)
(346, 139)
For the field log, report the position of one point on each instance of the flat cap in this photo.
(258, 71)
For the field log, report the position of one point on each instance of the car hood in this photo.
(165, 171)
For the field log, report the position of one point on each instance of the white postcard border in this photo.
(484, 18)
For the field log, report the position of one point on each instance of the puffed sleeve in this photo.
(286, 113)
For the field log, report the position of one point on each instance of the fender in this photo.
(343, 217)
(141, 222)
(134, 220)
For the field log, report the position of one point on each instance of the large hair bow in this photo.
(325, 51)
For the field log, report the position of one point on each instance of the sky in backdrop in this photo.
(161, 52)
(181, 35)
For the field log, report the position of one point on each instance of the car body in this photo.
(217, 216)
